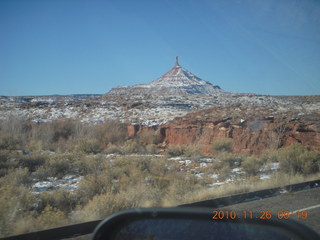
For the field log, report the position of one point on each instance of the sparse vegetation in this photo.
(110, 183)
(184, 150)
(251, 165)
(297, 159)
(228, 159)
(175, 150)
(222, 145)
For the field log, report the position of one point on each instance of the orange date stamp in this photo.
(263, 214)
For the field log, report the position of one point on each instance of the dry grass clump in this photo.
(101, 206)
(112, 148)
(175, 150)
(111, 132)
(184, 150)
(182, 190)
(251, 184)
(297, 159)
(132, 146)
(229, 159)
(149, 137)
(15, 200)
(89, 145)
(60, 135)
(10, 142)
(192, 151)
(151, 149)
(49, 218)
(251, 165)
(68, 135)
(221, 145)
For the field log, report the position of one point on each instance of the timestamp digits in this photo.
(263, 214)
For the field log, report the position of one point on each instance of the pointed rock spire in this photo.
(177, 63)
(176, 81)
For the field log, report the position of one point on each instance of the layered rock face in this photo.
(176, 81)
(251, 134)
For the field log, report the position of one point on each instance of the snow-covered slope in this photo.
(148, 109)
(176, 81)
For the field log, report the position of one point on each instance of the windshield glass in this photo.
(110, 105)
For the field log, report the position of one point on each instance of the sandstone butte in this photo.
(176, 81)
(251, 135)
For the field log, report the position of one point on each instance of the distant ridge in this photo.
(176, 81)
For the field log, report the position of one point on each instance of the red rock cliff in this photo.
(250, 133)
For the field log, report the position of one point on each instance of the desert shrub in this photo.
(11, 124)
(29, 222)
(182, 190)
(132, 146)
(63, 145)
(89, 145)
(224, 173)
(50, 217)
(217, 164)
(311, 162)
(146, 137)
(151, 148)
(192, 151)
(55, 135)
(149, 136)
(94, 184)
(57, 167)
(162, 173)
(34, 146)
(184, 150)
(127, 170)
(112, 148)
(63, 129)
(89, 164)
(270, 156)
(14, 125)
(228, 159)
(8, 160)
(298, 159)
(102, 205)
(251, 165)
(43, 132)
(15, 200)
(150, 165)
(60, 164)
(81, 129)
(20, 176)
(222, 145)
(111, 132)
(32, 162)
(175, 150)
(61, 199)
(9, 142)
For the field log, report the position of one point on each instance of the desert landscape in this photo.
(75, 158)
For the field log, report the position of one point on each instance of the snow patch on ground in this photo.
(142, 109)
(68, 182)
(199, 167)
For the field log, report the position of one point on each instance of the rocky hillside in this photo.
(184, 109)
(252, 129)
(176, 81)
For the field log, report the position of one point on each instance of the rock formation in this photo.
(250, 134)
(176, 81)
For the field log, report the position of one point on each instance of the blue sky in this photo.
(90, 46)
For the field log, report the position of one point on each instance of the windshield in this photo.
(110, 105)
